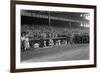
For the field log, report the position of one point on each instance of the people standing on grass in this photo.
(27, 45)
(51, 43)
(25, 41)
(22, 40)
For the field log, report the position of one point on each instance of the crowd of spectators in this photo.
(42, 36)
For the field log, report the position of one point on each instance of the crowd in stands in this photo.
(43, 36)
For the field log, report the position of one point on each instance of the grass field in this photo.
(56, 53)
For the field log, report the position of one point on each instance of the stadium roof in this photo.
(60, 17)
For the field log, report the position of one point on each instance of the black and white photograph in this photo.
(54, 36)
(48, 36)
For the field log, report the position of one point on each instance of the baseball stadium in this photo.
(54, 36)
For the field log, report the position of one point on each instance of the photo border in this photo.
(13, 35)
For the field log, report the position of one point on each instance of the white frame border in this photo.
(52, 64)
